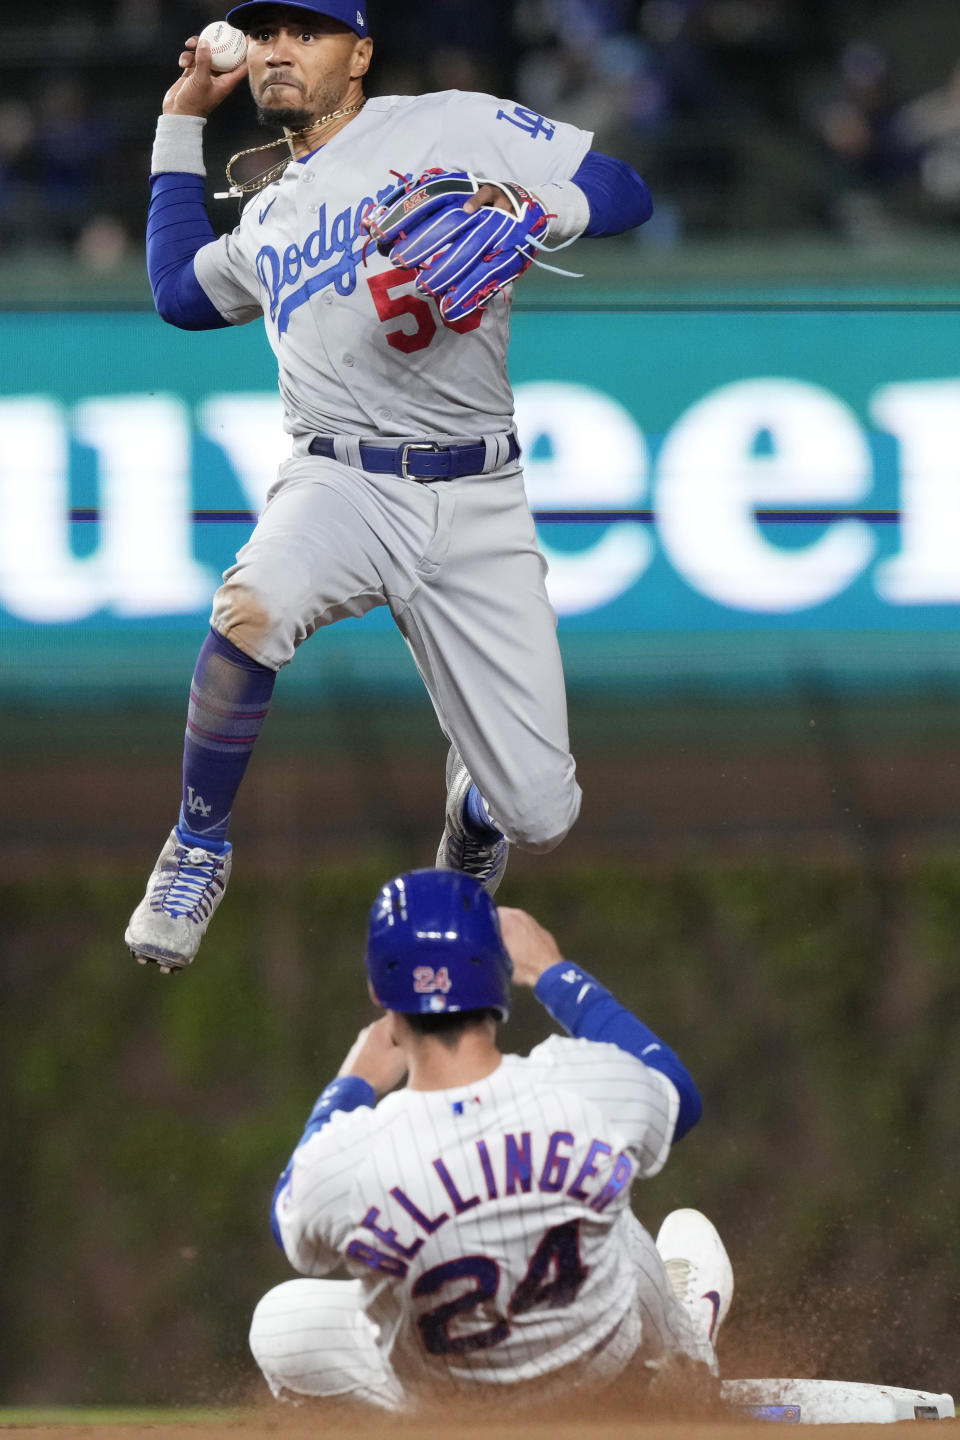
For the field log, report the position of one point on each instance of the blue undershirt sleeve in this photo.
(347, 1093)
(587, 1011)
(177, 227)
(619, 199)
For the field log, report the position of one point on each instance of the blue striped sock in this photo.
(229, 699)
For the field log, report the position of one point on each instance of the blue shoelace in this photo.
(189, 890)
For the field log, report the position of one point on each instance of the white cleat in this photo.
(698, 1268)
(460, 849)
(185, 888)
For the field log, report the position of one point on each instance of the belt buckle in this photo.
(416, 445)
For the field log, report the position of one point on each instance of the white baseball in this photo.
(228, 46)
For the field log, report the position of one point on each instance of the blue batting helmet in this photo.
(352, 13)
(434, 945)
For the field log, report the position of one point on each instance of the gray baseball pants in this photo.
(458, 564)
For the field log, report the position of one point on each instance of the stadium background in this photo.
(764, 703)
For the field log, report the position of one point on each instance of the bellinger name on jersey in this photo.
(508, 1171)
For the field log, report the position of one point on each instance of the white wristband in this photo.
(178, 145)
(568, 208)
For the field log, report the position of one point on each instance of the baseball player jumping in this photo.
(380, 252)
(483, 1210)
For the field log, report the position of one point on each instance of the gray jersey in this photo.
(360, 352)
(490, 1227)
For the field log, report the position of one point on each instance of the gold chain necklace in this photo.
(266, 177)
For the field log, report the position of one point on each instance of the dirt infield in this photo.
(265, 1424)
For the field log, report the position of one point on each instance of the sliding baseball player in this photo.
(482, 1210)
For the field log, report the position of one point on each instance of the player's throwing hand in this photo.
(200, 88)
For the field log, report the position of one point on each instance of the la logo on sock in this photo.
(196, 803)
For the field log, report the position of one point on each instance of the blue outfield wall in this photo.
(729, 494)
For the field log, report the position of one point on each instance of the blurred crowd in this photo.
(749, 118)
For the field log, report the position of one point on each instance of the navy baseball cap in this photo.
(352, 13)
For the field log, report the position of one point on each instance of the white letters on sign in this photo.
(143, 564)
(250, 430)
(758, 444)
(925, 418)
(583, 451)
(755, 444)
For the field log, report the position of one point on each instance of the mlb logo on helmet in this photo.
(352, 13)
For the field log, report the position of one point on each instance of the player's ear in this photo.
(362, 55)
(399, 1031)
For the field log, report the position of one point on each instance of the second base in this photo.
(834, 1402)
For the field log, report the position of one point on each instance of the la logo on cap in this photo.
(359, 19)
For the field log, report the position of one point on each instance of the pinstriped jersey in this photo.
(489, 1225)
(360, 351)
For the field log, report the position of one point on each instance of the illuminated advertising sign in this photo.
(706, 472)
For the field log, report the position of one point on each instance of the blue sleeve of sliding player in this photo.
(588, 1011)
(347, 1093)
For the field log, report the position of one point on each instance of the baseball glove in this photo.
(462, 259)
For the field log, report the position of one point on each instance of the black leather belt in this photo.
(420, 459)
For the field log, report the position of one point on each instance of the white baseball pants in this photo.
(458, 564)
(312, 1337)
